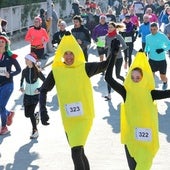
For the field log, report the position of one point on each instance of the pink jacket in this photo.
(134, 20)
(153, 18)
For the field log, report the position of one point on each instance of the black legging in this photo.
(29, 112)
(128, 53)
(131, 160)
(79, 158)
(118, 66)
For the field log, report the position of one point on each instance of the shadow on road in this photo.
(114, 118)
(164, 122)
(23, 158)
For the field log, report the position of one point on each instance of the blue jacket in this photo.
(144, 30)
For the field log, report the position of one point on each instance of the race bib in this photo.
(143, 134)
(128, 39)
(74, 109)
(3, 71)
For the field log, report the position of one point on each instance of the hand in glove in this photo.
(160, 50)
(141, 50)
(115, 45)
(44, 118)
(67, 33)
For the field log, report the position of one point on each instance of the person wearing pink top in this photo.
(152, 16)
(133, 17)
(37, 37)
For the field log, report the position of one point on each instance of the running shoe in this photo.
(4, 131)
(10, 118)
(34, 135)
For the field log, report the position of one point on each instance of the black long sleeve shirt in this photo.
(8, 62)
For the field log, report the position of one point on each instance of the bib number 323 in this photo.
(143, 134)
(74, 109)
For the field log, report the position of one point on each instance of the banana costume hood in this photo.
(74, 92)
(139, 117)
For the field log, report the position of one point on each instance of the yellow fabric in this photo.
(68, 43)
(73, 86)
(139, 111)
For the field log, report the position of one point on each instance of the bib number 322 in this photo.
(143, 134)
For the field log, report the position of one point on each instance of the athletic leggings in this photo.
(131, 160)
(128, 53)
(29, 112)
(79, 158)
(118, 66)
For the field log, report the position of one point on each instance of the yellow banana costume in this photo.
(74, 92)
(139, 117)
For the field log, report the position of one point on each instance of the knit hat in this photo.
(4, 37)
(32, 57)
(103, 16)
(127, 16)
(38, 18)
(63, 23)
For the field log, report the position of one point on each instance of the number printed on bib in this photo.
(128, 39)
(143, 134)
(2, 71)
(74, 109)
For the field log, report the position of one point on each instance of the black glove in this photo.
(115, 45)
(160, 50)
(141, 50)
(67, 33)
(44, 118)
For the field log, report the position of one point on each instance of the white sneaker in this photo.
(34, 135)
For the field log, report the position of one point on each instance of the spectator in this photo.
(54, 20)
(43, 18)
(3, 25)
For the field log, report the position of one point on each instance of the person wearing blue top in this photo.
(144, 30)
(156, 45)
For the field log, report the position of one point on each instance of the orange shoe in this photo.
(4, 131)
(10, 118)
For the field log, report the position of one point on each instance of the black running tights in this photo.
(79, 158)
(131, 160)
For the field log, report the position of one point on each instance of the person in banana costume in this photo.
(71, 76)
(139, 115)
